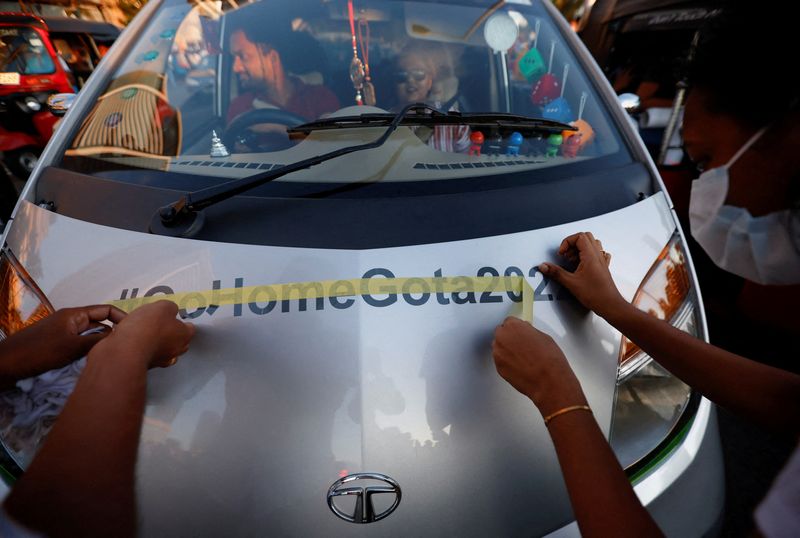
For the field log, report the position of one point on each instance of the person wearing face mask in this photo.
(760, 246)
(603, 500)
(741, 126)
(744, 208)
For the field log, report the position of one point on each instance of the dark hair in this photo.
(745, 61)
(299, 51)
(274, 34)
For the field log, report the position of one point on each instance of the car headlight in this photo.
(21, 304)
(650, 402)
(30, 104)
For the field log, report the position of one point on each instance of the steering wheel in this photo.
(242, 122)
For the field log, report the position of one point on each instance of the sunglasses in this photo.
(417, 75)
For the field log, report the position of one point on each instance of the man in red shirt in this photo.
(265, 80)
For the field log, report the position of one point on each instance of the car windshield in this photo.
(209, 90)
(23, 51)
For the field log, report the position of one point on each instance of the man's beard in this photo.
(252, 84)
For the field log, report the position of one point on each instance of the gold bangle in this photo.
(551, 416)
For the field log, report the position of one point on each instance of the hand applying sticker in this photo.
(155, 333)
(602, 498)
(591, 282)
(81, 482)
(534, 365)
(54, 341)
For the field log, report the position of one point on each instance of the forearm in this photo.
(766, 395)
(602, 498)
(82, 480)
(15, 362)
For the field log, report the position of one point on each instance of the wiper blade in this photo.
(433, 117)
(182, 218)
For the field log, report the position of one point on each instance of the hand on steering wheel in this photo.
(274, 141)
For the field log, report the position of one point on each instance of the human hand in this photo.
(591, 283)
(153, 333)
(534, 365)
(55, 341)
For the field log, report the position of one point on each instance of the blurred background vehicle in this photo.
(40, 57)
(30, 71)
(81, 43)
(645, 48)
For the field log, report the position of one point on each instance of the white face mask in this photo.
(763, 249)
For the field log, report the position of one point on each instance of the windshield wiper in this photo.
(182, 218)
(433, 117)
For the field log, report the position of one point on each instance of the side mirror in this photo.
(630, 102)
(60, 103)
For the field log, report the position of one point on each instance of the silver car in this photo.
(346, 205)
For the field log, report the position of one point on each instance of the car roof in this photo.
(68, 25)
(22, 18)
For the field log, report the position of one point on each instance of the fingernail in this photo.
(544, 268)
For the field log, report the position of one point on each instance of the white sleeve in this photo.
(778, 515)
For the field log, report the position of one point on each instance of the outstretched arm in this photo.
(602, 498)
(82, 481)
(767, 395)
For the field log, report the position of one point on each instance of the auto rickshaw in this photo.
(645, 49)
(38, 58)
(81, 43)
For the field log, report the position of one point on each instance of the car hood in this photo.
(245, 435)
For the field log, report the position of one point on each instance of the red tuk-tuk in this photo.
(30, 71)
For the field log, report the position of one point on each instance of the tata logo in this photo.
(363, 487)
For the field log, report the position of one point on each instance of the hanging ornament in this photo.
(531, 64)
(585, 131)
(369, 88)
(357, 72)
(357, 76)
(558, 109)
(547, 87)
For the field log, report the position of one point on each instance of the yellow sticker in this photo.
(343, 288)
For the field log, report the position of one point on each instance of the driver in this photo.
(266, 82)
